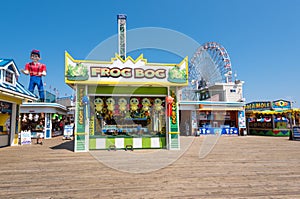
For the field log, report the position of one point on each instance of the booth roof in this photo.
(272, 112)
(212, 103)
(17, 90)
(43, 105)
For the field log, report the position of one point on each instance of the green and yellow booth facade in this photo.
(123, 104)
(270, 118)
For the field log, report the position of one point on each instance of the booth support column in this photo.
(81, 139)
(173, 122)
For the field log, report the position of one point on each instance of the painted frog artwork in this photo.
(177, 75)
(78, 72)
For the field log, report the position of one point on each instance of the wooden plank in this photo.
(236, 167)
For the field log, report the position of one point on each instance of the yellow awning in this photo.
(273, 112)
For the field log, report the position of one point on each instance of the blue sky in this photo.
(261, 36)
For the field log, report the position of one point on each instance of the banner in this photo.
(242, 119)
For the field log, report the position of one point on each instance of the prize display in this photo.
(129, 115)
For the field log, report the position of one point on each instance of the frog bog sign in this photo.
(128, 71)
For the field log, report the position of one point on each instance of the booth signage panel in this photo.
(80, 109)
(281, 104)
(278, 104)
(68, 131)
(242, 119)
(218, 131)
(258, 106)
(25, 137)
(133, 90)
(296, 132)
(130, 71)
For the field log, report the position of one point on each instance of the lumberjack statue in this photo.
(36, 70)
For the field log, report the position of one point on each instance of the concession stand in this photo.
(272, 118)
(12, 94)
(52, 115)
(125, 103)
(213, 118)
(216, 110)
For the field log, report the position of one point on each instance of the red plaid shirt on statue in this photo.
(35, 69)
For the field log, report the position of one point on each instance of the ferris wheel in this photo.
(210, 64)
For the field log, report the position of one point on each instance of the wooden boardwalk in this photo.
(236, 167)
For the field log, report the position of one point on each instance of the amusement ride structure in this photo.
(210, 64)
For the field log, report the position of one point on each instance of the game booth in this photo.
(125, 103)
(12, 94)
(272, 118)
(212, 118)
(52, 116)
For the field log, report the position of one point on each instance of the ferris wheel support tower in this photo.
(122, 35)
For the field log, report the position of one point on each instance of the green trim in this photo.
(162, 142)
(80, 140)
(127, 136)
(92, 144)
(80, 133)
(174, 141)
(128, 141)
(146, 142)
(127, 90)
(109, 141)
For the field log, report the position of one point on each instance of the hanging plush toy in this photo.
(24, 118)
(30, 116)
(146, 104)
(134, 102)
(158, 105)
(146, 107)
(98, 104)
(122, 102)
(36, 117)
(110, 102)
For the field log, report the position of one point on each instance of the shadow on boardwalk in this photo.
(68, 145)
